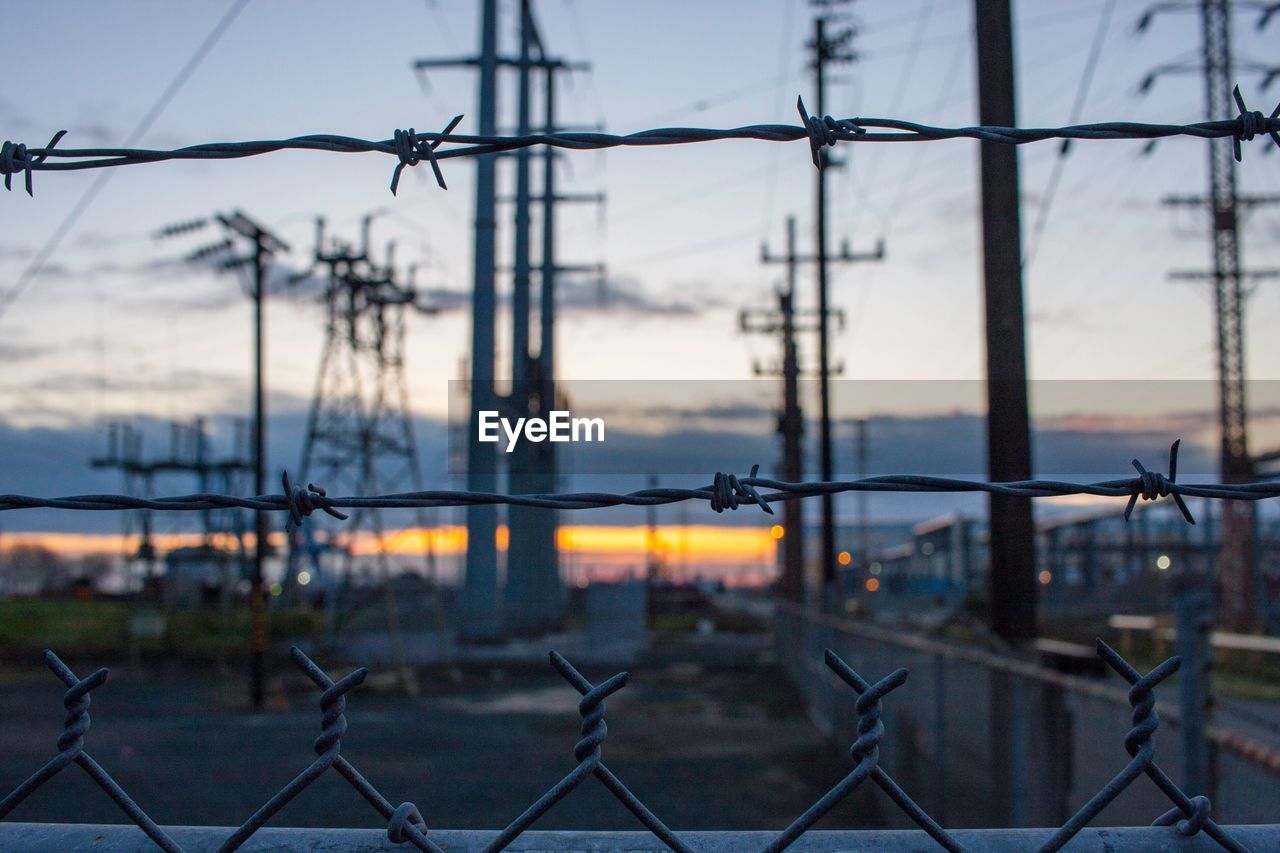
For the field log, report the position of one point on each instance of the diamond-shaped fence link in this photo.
(1189, 816)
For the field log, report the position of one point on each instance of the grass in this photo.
(100, 629)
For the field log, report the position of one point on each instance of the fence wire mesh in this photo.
(971, 719)
(406, 824)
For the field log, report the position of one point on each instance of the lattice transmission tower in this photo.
(360, 437)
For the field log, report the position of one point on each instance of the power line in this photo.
(771, 170)
(1055, 176)
(73, 216)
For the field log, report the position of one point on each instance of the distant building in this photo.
(199, 576)
(1084, 559)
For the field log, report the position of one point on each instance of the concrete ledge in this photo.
(98, 838)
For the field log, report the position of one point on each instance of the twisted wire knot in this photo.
(301, 504)
(333, 723)
(1252, 122)
(866, 749)
(594, 728)
(1138, 742)
(411, 150)
(727, 491)
(824, 132)
(405, 814)
(1152, 485)
(77, 721)
(16, 157)
(1188, 826)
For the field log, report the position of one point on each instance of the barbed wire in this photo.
(411, 147)
(726, 491)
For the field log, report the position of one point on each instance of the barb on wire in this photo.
(301, 503)
(1253, 122)
(727, 491)
(18, 158)
(1156, 485)
(411, 150)
(410, 147)
(823, 132)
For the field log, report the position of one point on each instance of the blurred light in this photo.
(1163, 562)
(1046, 576)
(850, 605)
(304, 578)
(276, 589)
(872, 584)
(777, 531)
(875, 568)
(844, 558)
(926, 548)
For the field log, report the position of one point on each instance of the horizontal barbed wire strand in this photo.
(411, 147)
(725, 492)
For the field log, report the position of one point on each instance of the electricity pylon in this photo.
(359, 437)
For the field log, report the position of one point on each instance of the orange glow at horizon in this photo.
(696, 543)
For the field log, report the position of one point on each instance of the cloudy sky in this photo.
(116, 326)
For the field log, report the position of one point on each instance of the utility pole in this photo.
(482, 615)
(821, 319)
(263, 246)
(829, 47)
(1235, 572)
(864, 516)
(1011, 586)
(653, 557)
(188, 454)
(826, 49)
(360, 437)
(534, 594)
(1236, 569)
(793, 585)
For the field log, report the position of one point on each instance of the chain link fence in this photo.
(944, 763)
(992, 740)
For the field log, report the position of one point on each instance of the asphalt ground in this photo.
(705, 746)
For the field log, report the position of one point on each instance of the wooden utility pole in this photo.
(263, 246)
(826, 49)
(792, 584)
(1011, 585)
(821, 323)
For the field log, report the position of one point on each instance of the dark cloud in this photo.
(626, 296)
(12, 353)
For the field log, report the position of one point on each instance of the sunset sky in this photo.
(117, 327)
